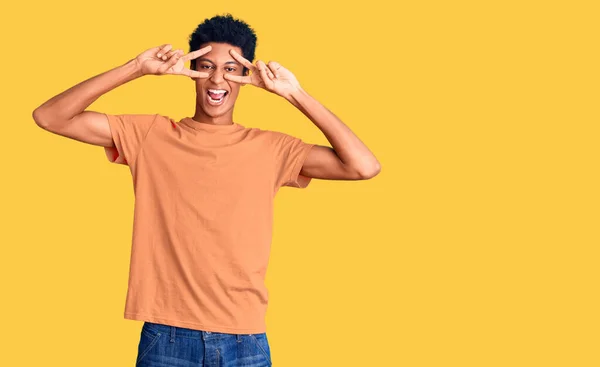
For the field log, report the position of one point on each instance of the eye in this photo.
(205, 66)
(231, 70)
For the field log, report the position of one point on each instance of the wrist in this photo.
(294, 96)
(134, 68)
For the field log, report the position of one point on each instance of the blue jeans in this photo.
(165, 345)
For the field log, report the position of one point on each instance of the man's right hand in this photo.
(65, 114)
(162, 60)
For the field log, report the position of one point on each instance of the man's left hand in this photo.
(272, 76)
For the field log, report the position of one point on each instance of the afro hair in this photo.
(224, 29)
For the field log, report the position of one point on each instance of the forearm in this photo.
(68, 104)
(348, 147)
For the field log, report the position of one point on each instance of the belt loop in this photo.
(239, 338)
(172, 334)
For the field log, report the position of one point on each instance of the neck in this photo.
(201, 116)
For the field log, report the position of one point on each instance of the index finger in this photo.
(194, 74)
(242, 60)
(196, 54)
(238, 78)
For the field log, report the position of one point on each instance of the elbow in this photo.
(41, 118)
(371, 172)
(38, 117)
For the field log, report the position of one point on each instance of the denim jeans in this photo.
(165, 345)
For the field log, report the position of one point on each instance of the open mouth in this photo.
(216, 97)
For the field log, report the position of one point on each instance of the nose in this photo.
(217, 77)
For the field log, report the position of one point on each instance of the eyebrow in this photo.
(228, 62)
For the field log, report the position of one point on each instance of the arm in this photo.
(64, 114)
(349, 159)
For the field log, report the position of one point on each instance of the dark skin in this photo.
(217, 63)
(213, 62)
(224, 65)
(348, 158)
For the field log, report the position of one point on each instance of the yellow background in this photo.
(477, 245)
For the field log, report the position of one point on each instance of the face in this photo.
(215, 96)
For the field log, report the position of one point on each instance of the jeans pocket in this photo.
(148, 339)
(262, 343)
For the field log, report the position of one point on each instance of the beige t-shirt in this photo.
(203, 218)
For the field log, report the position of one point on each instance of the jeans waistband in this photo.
(181, 331)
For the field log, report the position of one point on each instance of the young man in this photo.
(204, 189)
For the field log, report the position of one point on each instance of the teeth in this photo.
(217, 91)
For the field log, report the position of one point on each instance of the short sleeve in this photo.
(290, 154)
(128, 133)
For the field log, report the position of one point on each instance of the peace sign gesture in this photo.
(272, 77)
(162, 60)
